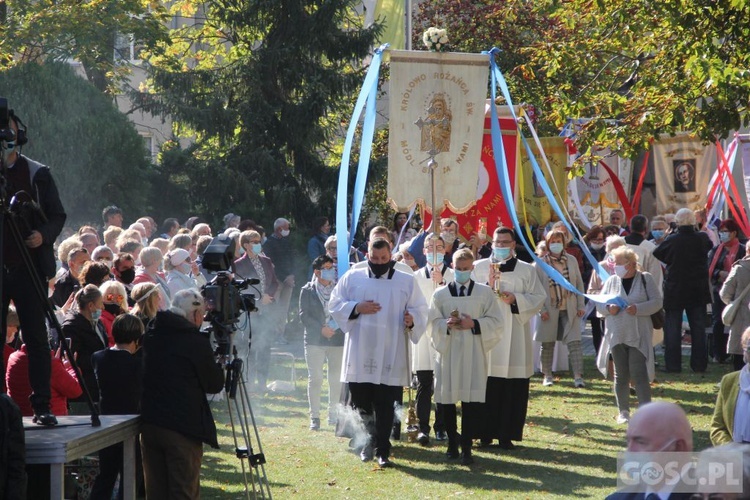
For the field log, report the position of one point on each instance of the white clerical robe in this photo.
(424, 356)
(461, 371)
(376, 347)
(512, 357)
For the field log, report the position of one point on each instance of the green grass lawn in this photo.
(569, 449)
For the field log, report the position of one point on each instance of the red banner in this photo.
(489, 209)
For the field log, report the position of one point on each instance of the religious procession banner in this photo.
(436, 119)
(489, 211)
(592, 196)
(682, 167)
(532, 205)
(744, 144)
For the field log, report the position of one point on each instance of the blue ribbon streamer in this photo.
(367, 95)
(501, 165)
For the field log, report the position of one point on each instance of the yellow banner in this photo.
(529, 194)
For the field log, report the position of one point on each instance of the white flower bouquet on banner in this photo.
(435, 39)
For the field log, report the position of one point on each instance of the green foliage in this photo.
(96, 156)
(84, 31)
(260, 85)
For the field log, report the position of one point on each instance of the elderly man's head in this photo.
(190, 305)
(660, 426)
(684, 217)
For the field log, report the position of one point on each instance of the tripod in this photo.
(241, 412)
(7, 217)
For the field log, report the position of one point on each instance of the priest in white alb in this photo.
(381, 310)
(520, 295)
(465, 322)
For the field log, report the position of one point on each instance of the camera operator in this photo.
(39, 231)
(179, 369)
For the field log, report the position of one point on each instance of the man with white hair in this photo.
(279, 249)
(178, 370)
(686, 289)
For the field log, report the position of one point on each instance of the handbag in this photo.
(730, 310)
(657, 319)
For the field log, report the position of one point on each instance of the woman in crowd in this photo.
(178, 265)
(399, 221)
(321, 229)
(720, 262)
(571, 246)
(255, 265)
(324, 340)
(115, 299)
(149, 272)
(86, 334)
(735, 284)
(63, 382)
(731, 420)
(562, 310)
(94, 273)
(594, 240)
(149, 299)
(628, 328)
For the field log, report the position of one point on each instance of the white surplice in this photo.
(512, 357)
(461, 371)
(376, 349)
(424, 356)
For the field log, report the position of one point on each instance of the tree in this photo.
(88, 32)
(261, 84)
(648, 68)
(96, 156)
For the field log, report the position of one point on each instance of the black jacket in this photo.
(119, 375)
(12, 450)
(85, 341)
(64, 286)
(685, 254)
(313, 317)
(178, 370)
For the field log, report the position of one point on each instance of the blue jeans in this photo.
(673, 338)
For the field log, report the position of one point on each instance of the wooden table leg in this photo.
(57, 481)
(128, 468)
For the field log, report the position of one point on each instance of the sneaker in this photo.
(579, 383)
(423, 439)
(46, 419)
(623, 417)
(547, 381)
(314, 424)
(441, 436)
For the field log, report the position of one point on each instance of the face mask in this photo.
(409, 262)
(284, 233)
(621, 271)
(380, 269)
(556, 248)
(657, 234)
(257, 248)
(597, 246)
(263, 241)
(96, 314)
(500, 253)
(328, 274)
(184, 268)
(462, 276)
(448, 238)
(723, 236)
(144, 242)
(113, 309)
(127, 276)
(108, 263)
(434, 258)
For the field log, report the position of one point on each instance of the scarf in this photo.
(324, 294)
(557, 294)
(741, 431)
(719, 255)
(258, 265)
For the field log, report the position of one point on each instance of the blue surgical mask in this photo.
(657, 234)
(257, 248)
(723, 236)
(556, 248)
(96, 314)
(328, 274)
(462, 277)
(500, 253)
(434, 258)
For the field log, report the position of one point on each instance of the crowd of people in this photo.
(465, 323)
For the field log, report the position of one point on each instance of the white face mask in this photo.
(284, 233)
(621, 271)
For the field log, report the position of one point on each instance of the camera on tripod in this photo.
(6, 133)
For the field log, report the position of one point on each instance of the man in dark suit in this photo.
(658, 426)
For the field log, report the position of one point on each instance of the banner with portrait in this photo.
(595, 189)
(489, 211)
(436, 122)
(683, 168)
(531, 203)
